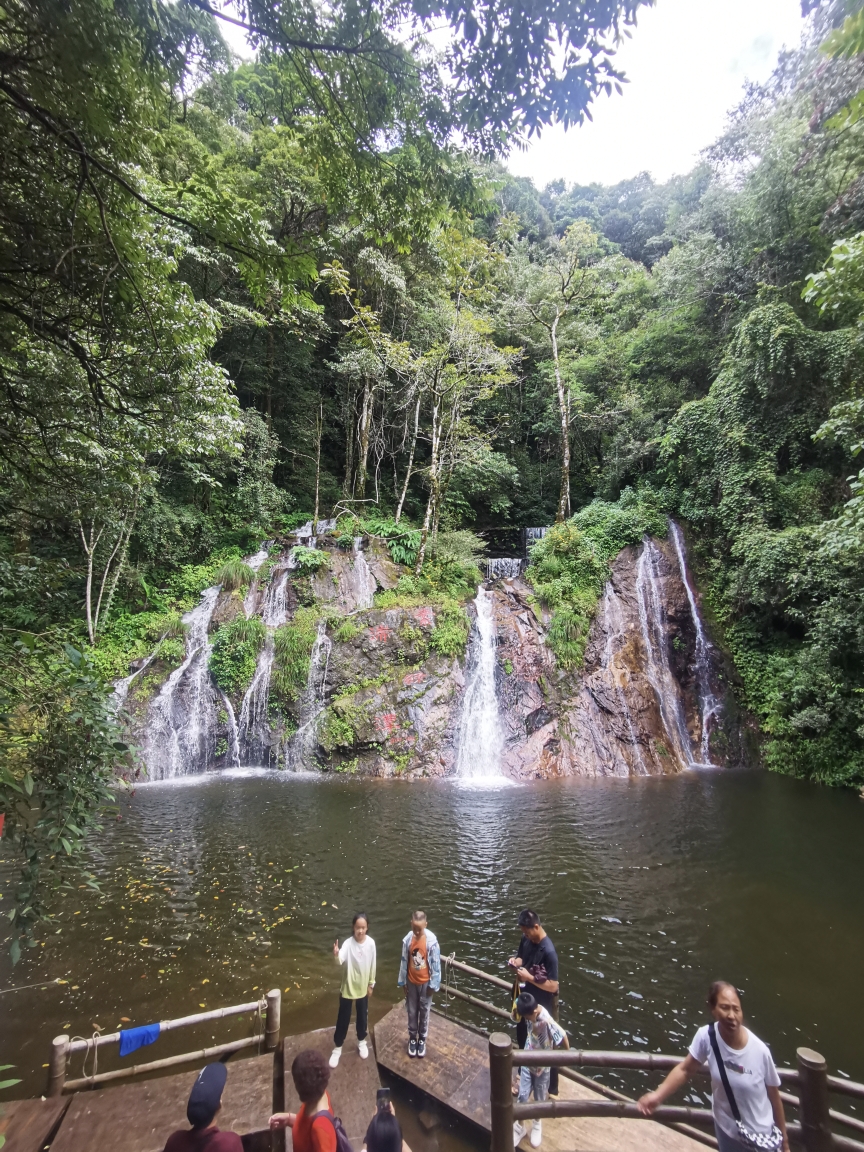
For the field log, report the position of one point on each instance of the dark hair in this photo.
(715, 990)
(419, 916)
(384, 1133)
(525, 1003)
(311, 1075)
(360, 916)
(528, 919)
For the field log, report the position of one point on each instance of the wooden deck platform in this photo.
(140, 1117)
(27, 1125)
(353, 1083)
(455, 1072)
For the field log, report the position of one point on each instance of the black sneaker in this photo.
(421, 1047)
(412, 1047)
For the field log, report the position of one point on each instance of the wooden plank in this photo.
(140, 1117)
(595, 1135)
(353, 1083)
(27, 1124)
(455, 1069)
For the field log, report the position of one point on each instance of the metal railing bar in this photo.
(479, 973)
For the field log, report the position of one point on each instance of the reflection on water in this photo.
(222, 886)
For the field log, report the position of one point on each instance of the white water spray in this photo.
(481, 737)
(710, 705)
(182, 716)
(301, 746)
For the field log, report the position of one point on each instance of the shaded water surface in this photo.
(217, 888)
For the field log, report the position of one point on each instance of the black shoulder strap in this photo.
(722, 1069)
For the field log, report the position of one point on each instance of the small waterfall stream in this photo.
(302, 744)
(180, 734)
(481, 735)
(652, 619)
(613, 621)
(710, 704)
(252, 726)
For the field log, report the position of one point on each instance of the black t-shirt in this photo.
(543, 953)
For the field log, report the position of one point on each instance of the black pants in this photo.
(344, 1019)
(522, 1040)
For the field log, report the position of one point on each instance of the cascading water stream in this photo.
(182, 716)
(657, 668)
(252, 727)
(254, 562)
(613, 622)
(121, 687)
(364, 582)
(505, 567)
(302, 744)
(709, 703)
(481, 736)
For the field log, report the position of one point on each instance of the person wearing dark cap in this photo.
(205, 1100)
(536, 968)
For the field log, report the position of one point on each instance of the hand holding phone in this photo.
(382, 1099)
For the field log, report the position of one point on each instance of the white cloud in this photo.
(686, 62)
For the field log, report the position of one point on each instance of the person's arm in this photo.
(547, 985)
(779, 1114)
(676, 1079)
(403, 967)
(373, 969)
(283, 1119)
(435, 967)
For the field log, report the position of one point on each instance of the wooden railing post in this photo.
(813, 1095)
(501, 1091)
(57, 1068)
(274, 1012)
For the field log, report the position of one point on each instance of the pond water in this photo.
(220, 887)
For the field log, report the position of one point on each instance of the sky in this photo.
(687, 62)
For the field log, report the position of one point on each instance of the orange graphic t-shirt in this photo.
(418, 965)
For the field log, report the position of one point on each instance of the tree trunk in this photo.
(564, 413)
(410, 458)
(347, 483)
(364, 435)
(319, 430)
(434, 482)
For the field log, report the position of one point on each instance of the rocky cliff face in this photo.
(383, 700)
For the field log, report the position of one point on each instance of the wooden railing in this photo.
(63, 1047)
(810, 1080)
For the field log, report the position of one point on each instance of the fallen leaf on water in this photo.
(200, 1005)
(205, 981)
(323, 903)
(125, 1019)
(336, 906)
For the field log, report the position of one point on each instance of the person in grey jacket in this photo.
(420, 976)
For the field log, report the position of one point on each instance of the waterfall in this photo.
(233, 732)
(657, 668)
(180, 732)
(710, 705)
(301, 746)
(254, 562)
(364, 582)
(505, 567)
(253, 724)
(481, 737)
(613, 622)
(121, 687)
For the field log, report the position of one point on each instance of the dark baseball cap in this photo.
(206, 1095)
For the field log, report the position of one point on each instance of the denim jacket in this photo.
(433, 959)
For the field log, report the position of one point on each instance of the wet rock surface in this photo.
(651, 698)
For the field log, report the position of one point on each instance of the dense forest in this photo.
(238, 296)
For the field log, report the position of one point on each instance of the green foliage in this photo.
(452, 627)
(570, 564)
(234, 574)
(59, 750)
(403, 541)
(235, 653)
(294, 642)
(310, 560)
(347, 631)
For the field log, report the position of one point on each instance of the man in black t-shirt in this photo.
(536, 965)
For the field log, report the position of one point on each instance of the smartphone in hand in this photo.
(382, 1099)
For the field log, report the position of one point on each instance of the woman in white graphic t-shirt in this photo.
(749, 1069)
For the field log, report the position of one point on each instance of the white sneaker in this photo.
(536, 1134)
(334, 1057)
(363, 1049)
(518, 1133)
